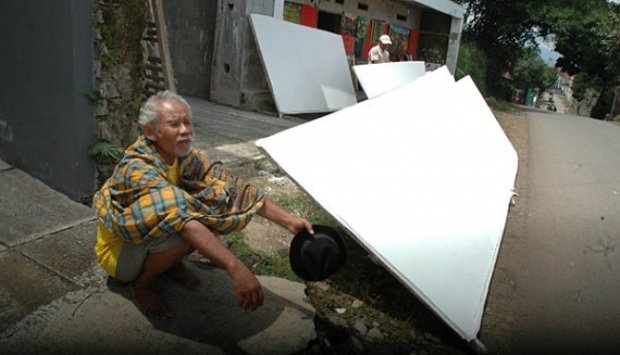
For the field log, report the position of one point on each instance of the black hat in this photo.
(317, 257)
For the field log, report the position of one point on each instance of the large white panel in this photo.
(377, 79)
(306, 68)
(422, 176)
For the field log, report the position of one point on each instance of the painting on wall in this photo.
(377, 30)
(400, 39)
(349, 24)
(361, 35)
(362, 26)
(292, 12)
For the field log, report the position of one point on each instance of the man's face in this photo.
(173, 132)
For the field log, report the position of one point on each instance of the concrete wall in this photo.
(46, 66)
(191, 29)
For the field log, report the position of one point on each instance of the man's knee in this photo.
(181, 249)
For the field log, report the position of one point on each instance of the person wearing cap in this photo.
(379, 53)
(166, 199)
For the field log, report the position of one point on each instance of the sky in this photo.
(548, 54)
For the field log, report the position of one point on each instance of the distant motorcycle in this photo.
(551, 107)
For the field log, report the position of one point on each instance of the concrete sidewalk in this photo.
(55, 299)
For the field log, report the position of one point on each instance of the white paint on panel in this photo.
(377, 79)
(422, 177)
(307, 68)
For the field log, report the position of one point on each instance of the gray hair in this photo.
(149, 112)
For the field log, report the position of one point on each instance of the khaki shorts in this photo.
(131, 260)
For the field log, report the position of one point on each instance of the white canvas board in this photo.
(377, 79)
(422, 177)
(306, 68)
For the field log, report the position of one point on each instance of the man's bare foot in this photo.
(184, 276)
(148, 302)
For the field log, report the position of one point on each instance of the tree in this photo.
(473, 62)
(531, 71)
(588, 37)
(586, 32)
(500, 28)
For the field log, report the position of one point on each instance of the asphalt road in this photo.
(558, 287)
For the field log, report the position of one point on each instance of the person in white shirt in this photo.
(379, 53)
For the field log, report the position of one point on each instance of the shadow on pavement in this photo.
(211, 315)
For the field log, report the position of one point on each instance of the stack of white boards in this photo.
(422, 177)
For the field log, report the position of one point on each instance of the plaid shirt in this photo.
(138, 202)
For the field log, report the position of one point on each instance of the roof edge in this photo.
(446, 6)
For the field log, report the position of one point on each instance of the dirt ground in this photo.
(363, 308)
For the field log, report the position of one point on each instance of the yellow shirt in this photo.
(108, 247)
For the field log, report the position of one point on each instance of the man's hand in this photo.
(275, 213)
(297, 224)
(246, 286)
(244, 283)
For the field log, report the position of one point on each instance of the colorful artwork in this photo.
(292, 12)
(400, 39)
(377, 30)
(348, 26)
(362, 27)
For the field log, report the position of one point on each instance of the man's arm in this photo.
(372, 56)
(276, 214)
(244, 283)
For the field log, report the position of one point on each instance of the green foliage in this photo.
(473, 62)
(122, 61)
(499, 105)
(301, 204)
(586, 34)
(583, 82)
(500, 29)
(550, 76)
(105, 152)
(121, 31)
(531, 71)
(261, 263)
(579, 86)
(602, 108)
(94, 97)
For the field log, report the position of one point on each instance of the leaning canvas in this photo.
(421, 176)
(306, 68)
(376, 79)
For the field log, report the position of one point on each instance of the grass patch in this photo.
(271, 264)
(268, 165)
(303, 205)
(499, 105)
